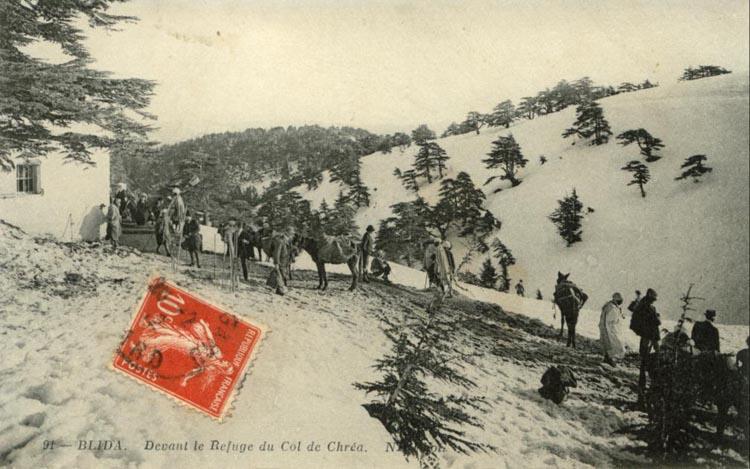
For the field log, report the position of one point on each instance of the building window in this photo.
(28, 179)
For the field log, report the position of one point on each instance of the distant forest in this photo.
(218, 171)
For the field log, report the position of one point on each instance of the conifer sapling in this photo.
(641, 175)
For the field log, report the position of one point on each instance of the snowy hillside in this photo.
(66, 307)
(681, 233)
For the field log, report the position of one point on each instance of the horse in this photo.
(570, 299)
(326, 249)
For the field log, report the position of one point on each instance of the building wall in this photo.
(68, 207)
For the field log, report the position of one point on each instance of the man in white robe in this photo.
(609, 333)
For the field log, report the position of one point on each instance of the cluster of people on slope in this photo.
(140, 209)
(440, 265)
(645, 322)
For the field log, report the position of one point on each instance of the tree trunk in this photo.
(643, 193)
(400, 384)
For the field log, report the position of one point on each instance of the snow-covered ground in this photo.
(66, 307)
(681, 233)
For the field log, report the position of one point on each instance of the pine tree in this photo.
(423, 162)
(460, 200)
(590, 122)
(453, 129)
(321, 218)
(542, 159)
(539, 295)
(641, 175)
(505, 259)
(438, 157)
(648, 144)
(528, 107)
(693, 167)
(584, 89)
(422, 134)
(567, 218)
(502, 115)
(420, 420)
(409, 179)
(341, 220)
(346, 169)
(402, 140)
(627, 87)
(359, 194)
(475, 121)
(401, 235)
(488, 275)
(39, 98)
(505, 154)
(703, 71)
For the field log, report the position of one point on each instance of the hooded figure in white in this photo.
(609, 329)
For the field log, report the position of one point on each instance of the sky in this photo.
(225, 65)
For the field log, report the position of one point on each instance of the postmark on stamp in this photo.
(187, 348)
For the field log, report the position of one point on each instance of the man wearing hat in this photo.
(648, 322)
(367, 248)
(177, 211)
(609, 330)
(705, 334)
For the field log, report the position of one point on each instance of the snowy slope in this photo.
(58, 337)
(681, 233)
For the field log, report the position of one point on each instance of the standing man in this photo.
(446, 266)
(142, 213)
(160, 226)
(193, 239)
(367, 248)
(705, 334)
(114, 223)
(609, 330)
(520, 289)
(230, 236)
(244, 247)
(121, 197)
(645, 323)
(281, 249)
(177, 212)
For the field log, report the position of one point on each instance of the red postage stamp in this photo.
(187, 348)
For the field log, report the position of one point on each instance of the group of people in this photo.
(645, 322)
(440, 265)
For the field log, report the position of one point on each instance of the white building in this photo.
(49, 196)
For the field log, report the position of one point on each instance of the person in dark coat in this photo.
(244, 247)
(520, 289)
(192, 234)
(142, 212)
(648, 330)
(121, 198)
(705, 334)
(367, 249)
